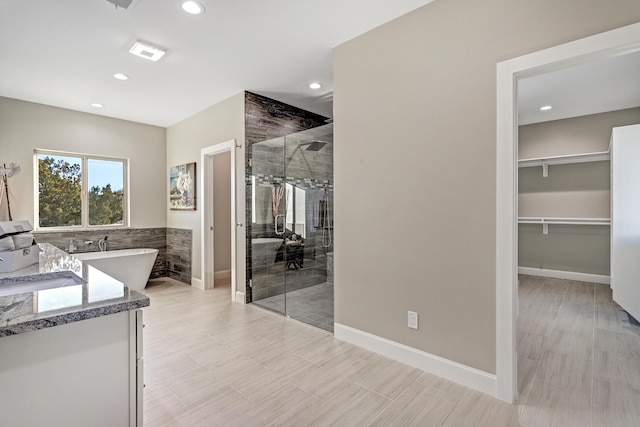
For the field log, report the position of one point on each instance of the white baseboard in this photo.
(452, 371)
(240, 297)
(222, 274)
(197, 283)
(569, 275)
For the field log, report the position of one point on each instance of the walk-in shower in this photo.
(290, 260)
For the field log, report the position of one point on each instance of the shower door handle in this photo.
(276, 225)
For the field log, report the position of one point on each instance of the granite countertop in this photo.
(76, 292)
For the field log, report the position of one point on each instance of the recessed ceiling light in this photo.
(121, 76)
(192, 7)
(146, 51)
(95, 104)
(315, 85)
(546, 108)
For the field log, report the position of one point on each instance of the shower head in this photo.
(313, 145)
(316, 145)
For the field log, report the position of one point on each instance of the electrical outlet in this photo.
(412, 319)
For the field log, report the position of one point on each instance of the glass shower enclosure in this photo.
(290, 263)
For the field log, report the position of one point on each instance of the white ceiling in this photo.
(595, 87)
(64, 52)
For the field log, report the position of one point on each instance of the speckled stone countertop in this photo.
(74, 292)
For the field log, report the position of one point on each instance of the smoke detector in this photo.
(121, 3)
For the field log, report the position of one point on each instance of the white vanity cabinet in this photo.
(70, 350)
(86, 373)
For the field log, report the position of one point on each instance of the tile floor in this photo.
(312, 305)
(210, 362)
(578, 356)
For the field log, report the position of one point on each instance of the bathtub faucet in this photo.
(72, 246)
(102, 244)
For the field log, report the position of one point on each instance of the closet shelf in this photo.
(563, 160)
(545, 221)
(576, 221)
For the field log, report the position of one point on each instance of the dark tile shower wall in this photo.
(267, 160)
(174, 246)
(316, 259)
(265, 119)
(319, 232)
(179, 250)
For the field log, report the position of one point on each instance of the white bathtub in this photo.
(130, 266)
(264, 251)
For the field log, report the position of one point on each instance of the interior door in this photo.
(625, 218)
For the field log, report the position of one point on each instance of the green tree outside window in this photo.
(60, 191)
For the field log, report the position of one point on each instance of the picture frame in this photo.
(182, 187)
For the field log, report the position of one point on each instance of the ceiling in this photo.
(64, 52)
(595, 87)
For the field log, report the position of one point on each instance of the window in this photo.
(296, 211)
(77, 190)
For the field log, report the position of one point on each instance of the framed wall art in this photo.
(182, 187)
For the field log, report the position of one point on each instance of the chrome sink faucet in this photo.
(72, 246)
(102, 244)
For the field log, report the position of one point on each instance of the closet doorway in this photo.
(589, 51)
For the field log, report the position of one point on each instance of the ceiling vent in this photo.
(146, 51)
(121, 3)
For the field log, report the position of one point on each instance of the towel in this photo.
(6, 244)
(23, 240)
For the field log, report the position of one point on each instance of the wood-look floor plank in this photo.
(477, 409)
(389, 378)
(548, 405)
(209, 361)
(353, 406)
(443, 385)
(615, 405)
(420, 405)
(564, 370)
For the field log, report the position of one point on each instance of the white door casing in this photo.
(612, 43)
(206, 219)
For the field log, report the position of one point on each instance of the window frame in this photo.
(84, 191)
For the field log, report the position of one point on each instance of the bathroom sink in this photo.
(36, 283)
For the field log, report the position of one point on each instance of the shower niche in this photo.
(290, 263)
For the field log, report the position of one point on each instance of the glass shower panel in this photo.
(309, 234)
(292, 225)
(268, 216)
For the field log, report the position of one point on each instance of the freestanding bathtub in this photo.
(130, 266)
(264, 251)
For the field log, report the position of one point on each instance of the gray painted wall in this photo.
(415, 168)
(576, 248)
(580, 190)
(585, 134)
(575, 190)
(222, 211)
(25, 126)
(219, 123)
